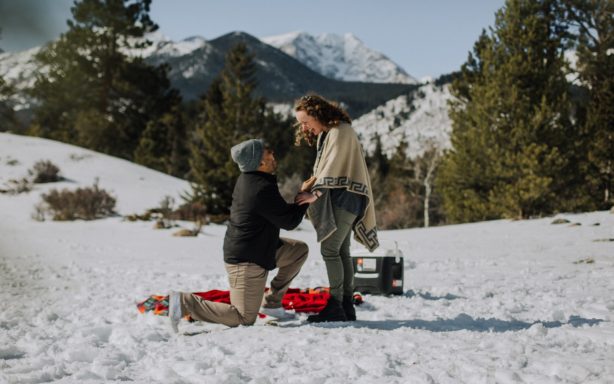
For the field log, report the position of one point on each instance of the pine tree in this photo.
(511, 126)
(378, 161)
(163, 145)
(8, 121)
(595, 51)
(396, 191)
(292, 161)
(379, 167)
(93, 94)
(230, 114)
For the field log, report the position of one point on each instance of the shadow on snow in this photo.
(427, 296)
(460, 323)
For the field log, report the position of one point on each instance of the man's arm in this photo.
(274, 208)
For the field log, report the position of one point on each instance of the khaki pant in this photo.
(247, 281)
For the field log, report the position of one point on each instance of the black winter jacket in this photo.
(257, 213)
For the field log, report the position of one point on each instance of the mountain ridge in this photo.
(195, 62)
(394, 112)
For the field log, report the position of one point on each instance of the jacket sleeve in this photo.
(274, 208)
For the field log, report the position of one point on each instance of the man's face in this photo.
(268, 163)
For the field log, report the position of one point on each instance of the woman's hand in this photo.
(307, 184)
(305, 198)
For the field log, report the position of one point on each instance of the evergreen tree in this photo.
(230, 114)
(163, 145)
(378, 161)
(8, 120)
(93, 94)
(378, 166)
(511, 127)
(594, 23)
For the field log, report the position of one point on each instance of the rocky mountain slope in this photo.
(344, 58)
(420, 118)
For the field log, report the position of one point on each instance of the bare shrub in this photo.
(16, 187)
(79, 156)
(400, 209)
(191, 212)
(161, 224)
(39, 212)
(166, 209)
(195, 212)
(165, 214)
(83, 203)
(12, 162)
(189, 232)
(147, 216)
(45, 172)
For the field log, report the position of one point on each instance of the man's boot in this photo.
(348, 308)
(332, 312)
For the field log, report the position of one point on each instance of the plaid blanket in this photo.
(311, 300)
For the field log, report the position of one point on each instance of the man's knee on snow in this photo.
(249, 319)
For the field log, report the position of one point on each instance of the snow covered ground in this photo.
(492, 302)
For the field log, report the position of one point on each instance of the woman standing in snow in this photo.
(341, 199)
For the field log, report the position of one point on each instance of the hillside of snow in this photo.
(344, 58)
(492, 302)
(420, 119)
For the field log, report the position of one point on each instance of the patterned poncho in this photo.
(341, 164)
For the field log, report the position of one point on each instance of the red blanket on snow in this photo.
(299, 300)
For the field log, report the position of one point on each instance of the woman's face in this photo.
(309, 123)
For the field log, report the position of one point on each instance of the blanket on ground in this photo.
(311, 300)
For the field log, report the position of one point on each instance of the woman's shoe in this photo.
(332, 312)
(348, 308)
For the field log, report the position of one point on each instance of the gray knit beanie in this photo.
(248, 154)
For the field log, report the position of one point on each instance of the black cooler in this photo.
(379, 272)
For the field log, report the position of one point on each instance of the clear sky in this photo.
(425, 37)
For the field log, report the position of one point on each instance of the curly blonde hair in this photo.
(328, 113)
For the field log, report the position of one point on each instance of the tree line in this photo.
(531, 136)
(96, 94)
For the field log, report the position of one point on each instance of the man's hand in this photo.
(305, 198)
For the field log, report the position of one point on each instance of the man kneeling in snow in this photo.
(252, 245)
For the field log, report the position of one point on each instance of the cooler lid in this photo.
(379, 252)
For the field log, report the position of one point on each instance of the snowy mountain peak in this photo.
(286, 38)
(183, 47)
(342, 57)
(164, 46)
